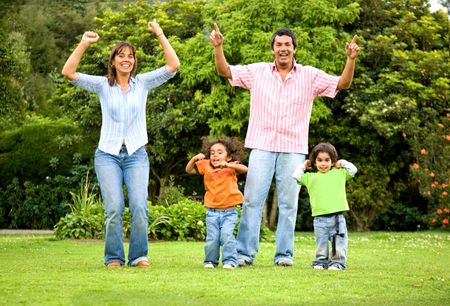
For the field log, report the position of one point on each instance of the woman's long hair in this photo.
(116, 50)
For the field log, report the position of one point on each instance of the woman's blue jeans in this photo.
(112, 172)
(220, 224)
(261, 168)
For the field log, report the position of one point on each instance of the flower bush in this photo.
(431, 172)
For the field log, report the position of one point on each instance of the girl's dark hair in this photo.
(324, 147)
(116, 50)
(234, 147)
(281, 32)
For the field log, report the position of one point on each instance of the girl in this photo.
(121, 156)
(219, 167)
(326, 189)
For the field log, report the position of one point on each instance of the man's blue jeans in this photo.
(261, 168)
(219, 232)
(112, 172)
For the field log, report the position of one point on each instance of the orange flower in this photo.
(440, 125)
(423, 151)
(439, 211)
(447, 137)
(445, 221)
(415, 166)
(431, 174)
(444, 193)
(446, 210)
(444, 185)
(433, 221)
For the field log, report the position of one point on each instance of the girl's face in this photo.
(323, 162)
(124, 61)
(218, 155)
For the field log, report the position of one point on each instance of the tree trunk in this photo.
(274, 210)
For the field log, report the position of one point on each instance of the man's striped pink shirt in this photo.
(280, 110)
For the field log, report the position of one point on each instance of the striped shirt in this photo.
(280, 110)
(123, 113)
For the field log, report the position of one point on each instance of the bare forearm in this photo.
(173, 63)
(347, 75)
(221, 62)
(240, 168)
(70, 67)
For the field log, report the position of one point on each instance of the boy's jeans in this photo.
(219, 233)
(324, 229)
(261, 168)
(112, 172)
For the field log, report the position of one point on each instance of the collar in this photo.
(273, 66)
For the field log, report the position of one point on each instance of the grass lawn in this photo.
(383, 269)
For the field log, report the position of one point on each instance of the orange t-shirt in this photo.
(222, 191)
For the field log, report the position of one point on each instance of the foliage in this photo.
(169, 193)
(23, 153)
(86, 219)
(25, 204)
(431, 169)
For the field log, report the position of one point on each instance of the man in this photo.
(281, 99)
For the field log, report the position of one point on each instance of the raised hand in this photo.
(154, 27)
(352, 49)
(216, 37)
(90, 37)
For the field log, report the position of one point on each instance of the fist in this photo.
(90, 37)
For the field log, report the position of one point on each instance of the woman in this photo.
(121, 156)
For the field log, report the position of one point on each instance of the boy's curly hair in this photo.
(235, 148)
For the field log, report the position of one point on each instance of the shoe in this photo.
(335, 267)
(284, 262)
(242, 262)
(114, 264)
(143, 264)
(228, 266)
(318, 267)
(208, 265)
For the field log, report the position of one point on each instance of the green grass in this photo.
(383, 269)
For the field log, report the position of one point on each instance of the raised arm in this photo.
(216, 39)
(70, 67)
(351, 168)
(352, 50)
(173, 63)
(190, 167)
(238, 167)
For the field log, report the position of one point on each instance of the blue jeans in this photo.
(219, 233)
(324, 229)
(112, 172)
(261, 168)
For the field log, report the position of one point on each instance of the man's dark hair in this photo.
(281, 32)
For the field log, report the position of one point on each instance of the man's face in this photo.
(283, 51)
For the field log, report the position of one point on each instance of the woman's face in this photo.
(124, 61)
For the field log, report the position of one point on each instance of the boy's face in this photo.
(218, 155)
(323, 162)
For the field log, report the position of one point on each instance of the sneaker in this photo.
(318, 267)
(208, 265)
(285, 262)
(335, 267)
(242, 262)
(228, 267)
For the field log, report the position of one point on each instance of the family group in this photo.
(281, 99)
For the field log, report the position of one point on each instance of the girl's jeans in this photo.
(220, 225)
(112, 172)
(324, 229)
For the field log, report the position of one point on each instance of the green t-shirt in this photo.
(326, 190)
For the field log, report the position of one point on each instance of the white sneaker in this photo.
(285, 262)
(318, 267)
(228, 267)
(208, 265)
(335, 267)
